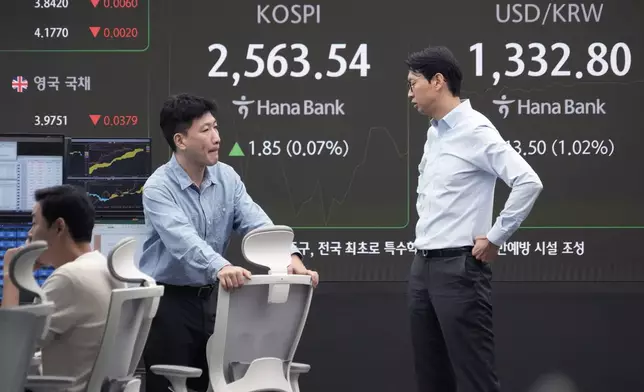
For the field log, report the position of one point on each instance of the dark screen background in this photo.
(47, 145)
(368, 195)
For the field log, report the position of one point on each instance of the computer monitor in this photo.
(112, 171)
(13, 235)
(28, 163)
(106, 235)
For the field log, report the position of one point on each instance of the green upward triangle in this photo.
(236, 151)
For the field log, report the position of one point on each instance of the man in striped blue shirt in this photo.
(450, 294)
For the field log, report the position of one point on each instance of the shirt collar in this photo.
(452, 118)
(184, 179)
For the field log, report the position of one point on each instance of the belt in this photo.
(197, 291)
(447, 252)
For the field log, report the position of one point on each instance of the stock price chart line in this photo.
(112, 171)
(311, 202)
(106, 162)
(119, 158)
(116, 195)
(303, 115)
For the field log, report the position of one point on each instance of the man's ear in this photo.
(178, 141)
(60, 225)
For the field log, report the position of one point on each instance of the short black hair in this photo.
(437, 59)
(73, 205)
(178, 113)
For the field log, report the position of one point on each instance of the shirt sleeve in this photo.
(178, 234)
(249, 215)
(60, 290)
(494, 155)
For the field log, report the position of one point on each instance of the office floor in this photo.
(584, 337)
(357, 337)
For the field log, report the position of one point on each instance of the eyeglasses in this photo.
(410, 83)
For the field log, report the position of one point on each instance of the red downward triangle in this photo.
(95, 2)
(94, 30)
(95, 118)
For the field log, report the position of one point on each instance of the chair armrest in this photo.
(49, 383)
(36, 361)
(177, 375)
(299, 368)
(176, 371)
(294, 374)
(35, 365)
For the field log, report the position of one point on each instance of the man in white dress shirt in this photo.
(450, 295)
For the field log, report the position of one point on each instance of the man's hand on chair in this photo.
(8, 256)
(231, 277)
(298, 268)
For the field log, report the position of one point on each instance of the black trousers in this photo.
(450, 303)
(179, 334)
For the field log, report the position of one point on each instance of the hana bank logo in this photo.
(504, 105)
(242, 106)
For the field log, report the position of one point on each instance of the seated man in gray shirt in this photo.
(80, 286)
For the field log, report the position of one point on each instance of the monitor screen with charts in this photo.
(106, 235)
(112, 171)
(28, 163)
(13, 235)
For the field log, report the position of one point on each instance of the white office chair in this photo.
(128, 322)
(131, 311)
(258, 326)
(18, 334)
(26, 337)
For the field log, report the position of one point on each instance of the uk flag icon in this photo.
(19, 84)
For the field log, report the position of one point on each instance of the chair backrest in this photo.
(256, 330)
(270, 247)
(23, 326)
(19, 332)
(130, 315)
(21, 273)
(21, 269)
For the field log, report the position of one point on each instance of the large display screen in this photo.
(314, 113)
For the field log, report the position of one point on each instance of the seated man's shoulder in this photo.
(87, 272)
(59, 280)
(93, 260)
